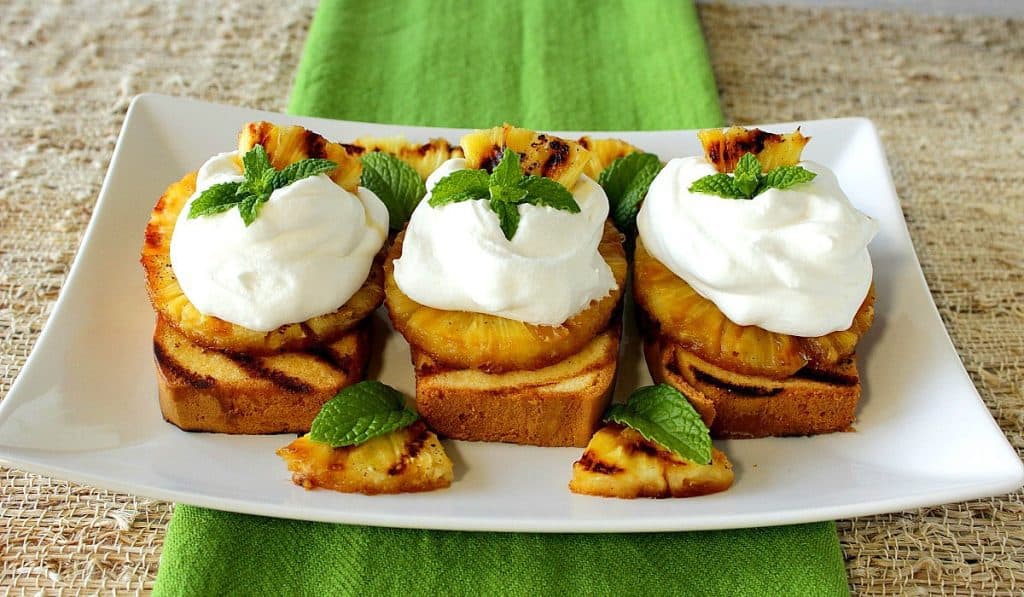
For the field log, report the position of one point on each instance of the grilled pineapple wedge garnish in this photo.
(561, 160)
(289, 144)
(424, 158)
(494, 344)
(284, 146)
(405, 460)
(696, 323)
(724, 148)
(619, 462)
(603, 152)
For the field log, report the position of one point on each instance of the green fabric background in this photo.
(546, 65)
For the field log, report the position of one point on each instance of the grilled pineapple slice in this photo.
(603, 152)
(493, 344)
(173, 306)
(424, 158)
(289, 144)
(619, 462)
(561, 160)
(405, 460)
(696, 323)
(724, 148)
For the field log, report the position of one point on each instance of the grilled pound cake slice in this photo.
(734, 405)
(557, 405)
(619, 462)
(405, 460)
(205, 389)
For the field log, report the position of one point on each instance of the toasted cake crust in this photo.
(203, 389)
(734, 405)
(557, 405)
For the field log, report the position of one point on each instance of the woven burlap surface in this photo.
(945, 93)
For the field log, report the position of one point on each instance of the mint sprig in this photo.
(261, 180)
(395, 182)
(359, 413)
(663, 415)
(747, 181)
(506, 188)
(626, 181)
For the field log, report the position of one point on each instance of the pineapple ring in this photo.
(173, 306)
(695, 322)
(465, 340)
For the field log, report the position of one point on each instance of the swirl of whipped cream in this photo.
(455, 257)
(791, 261)
(306, 254)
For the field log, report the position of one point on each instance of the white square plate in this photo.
(84, 408)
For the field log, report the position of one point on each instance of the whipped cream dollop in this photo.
(455, 257)
(791, 261)
(309, 250)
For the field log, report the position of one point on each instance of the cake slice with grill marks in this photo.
(205, 389)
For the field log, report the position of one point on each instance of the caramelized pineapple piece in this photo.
(603, 152)
(619, 462)
(724, 148)
(495, 344)
(695, 322)
(284, 146)
(405, 460)
(289, 144)
(561, 160)
(424, 158)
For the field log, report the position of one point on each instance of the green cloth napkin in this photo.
(547, 65)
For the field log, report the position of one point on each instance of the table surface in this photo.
(945, 92)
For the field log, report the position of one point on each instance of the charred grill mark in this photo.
(643, 448)
(313, 145)
(829, 377)
(354, 149)
(591, 463)
(254, 366)
(585, 142)
(490, 161)
(742, 390)
(327, 356)
(412, 448)
(727, 152)
(153, 236)
(196, 380)
(558, 157)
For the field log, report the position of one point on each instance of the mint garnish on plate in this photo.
(261, 179)
(505, 189)
(663, 415)
(399, 187)
(359, 413)
(747, 180)
(626, 181)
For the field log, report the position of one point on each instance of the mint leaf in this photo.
(625, 209)
(299, 170)
(717, 184)
(256, 163)
(784, 177)
(747, 175)
(461, 185)
(214, 200)
(507, 194)
(548, 193)
(508, 217)
(250, 207)
(616, 178)
(508, 173)
(361, 412)
(396, 183)
(663, 415)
